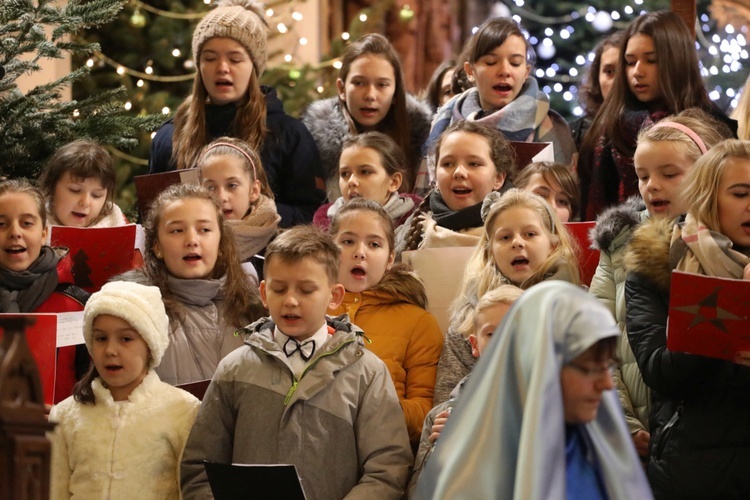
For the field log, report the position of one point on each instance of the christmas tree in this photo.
(34, 124)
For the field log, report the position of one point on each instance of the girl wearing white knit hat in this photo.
(229, 49)
(122, 433)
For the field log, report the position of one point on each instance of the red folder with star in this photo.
(708, 316)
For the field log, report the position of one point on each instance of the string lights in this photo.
(723, 52)
(720, 53)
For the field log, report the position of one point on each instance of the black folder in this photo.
(246, 481)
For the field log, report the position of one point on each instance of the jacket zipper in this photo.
(667, 431)
(294, 386)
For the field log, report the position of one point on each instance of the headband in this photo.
(686, 130)
(230, 145)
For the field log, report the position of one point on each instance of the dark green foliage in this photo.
(34, 125)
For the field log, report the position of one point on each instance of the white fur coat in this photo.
(122, 450)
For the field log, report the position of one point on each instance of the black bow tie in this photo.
(306, 349)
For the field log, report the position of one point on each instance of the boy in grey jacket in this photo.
(303, 389)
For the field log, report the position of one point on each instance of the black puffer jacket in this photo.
(700, 412)
(289, 156)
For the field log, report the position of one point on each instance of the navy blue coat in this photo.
(289, 156)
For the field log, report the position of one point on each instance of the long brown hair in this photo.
(241, 299)
(396, 122)
(680, 80)
(590, 91)
(191, 134)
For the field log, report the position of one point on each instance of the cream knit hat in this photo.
(240, 20)
(139, 305)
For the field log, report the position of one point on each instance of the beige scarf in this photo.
(708, 252)
(253, 233)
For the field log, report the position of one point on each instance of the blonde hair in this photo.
(504, 294)
(482, 273)
(742, 113)
(701, 186)
(708, 129)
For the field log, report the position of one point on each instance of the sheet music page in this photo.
(70, 328)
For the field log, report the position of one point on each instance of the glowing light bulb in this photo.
(90, 63)
(165, 110)
(176, 52)
(345, 36)
(128, 105)
(120, 70)
(139, 83)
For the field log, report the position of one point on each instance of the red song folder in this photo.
(708, 316)
(588, 258)
(97, 253)
(49, 332)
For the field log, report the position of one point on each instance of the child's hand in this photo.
(742, 357)
(641, 439)
(437, 426)
(746, 274)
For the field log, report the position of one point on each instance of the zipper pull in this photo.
(290, 393)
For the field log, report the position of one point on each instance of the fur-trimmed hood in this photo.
(325, 121)
(648, 253)
(611, 222)
(402, 286)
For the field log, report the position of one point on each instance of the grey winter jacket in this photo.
(611, 236)
(199, 337)
(340, 423)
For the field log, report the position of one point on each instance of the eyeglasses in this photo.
(596, 373)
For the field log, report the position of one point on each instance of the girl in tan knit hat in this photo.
(229, 48)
